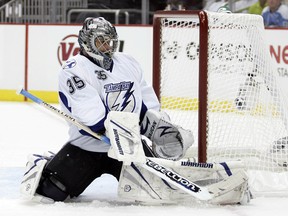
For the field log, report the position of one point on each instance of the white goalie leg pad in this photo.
(124, 132)
(32, 176)
(232, 190)
(228, 182)
(169, 141)
(138, 185)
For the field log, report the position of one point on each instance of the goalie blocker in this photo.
(168, 141)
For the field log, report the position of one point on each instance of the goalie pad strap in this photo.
(226, 168)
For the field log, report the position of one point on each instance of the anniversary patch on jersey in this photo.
(69, 64)
(120, 96)
(101, 74)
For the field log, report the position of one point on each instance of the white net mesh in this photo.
(247, 113)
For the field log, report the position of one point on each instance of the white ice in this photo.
(28, 128)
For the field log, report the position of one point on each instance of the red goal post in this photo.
(203, 41)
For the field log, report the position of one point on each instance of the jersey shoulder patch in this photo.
(69, 64)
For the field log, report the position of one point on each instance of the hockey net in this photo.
(235, 107)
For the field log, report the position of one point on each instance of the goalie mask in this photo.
(99, 39)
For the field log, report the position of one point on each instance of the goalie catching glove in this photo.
(169, 141)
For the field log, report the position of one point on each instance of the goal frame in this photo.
(203, 69)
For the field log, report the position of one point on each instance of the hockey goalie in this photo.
(154, 171)
(101, 85)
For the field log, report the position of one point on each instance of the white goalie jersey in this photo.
(88, 92)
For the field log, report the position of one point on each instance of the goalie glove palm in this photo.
(168, 140)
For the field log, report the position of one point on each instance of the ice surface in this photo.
(28, 128)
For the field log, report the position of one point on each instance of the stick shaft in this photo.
(63, 115)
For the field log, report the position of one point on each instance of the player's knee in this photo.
(52, 188)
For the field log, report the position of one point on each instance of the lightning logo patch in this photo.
(120, 96)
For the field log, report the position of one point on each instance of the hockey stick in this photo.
(170, 176)
(62, 114)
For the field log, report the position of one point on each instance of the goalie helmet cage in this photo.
(213, 74)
